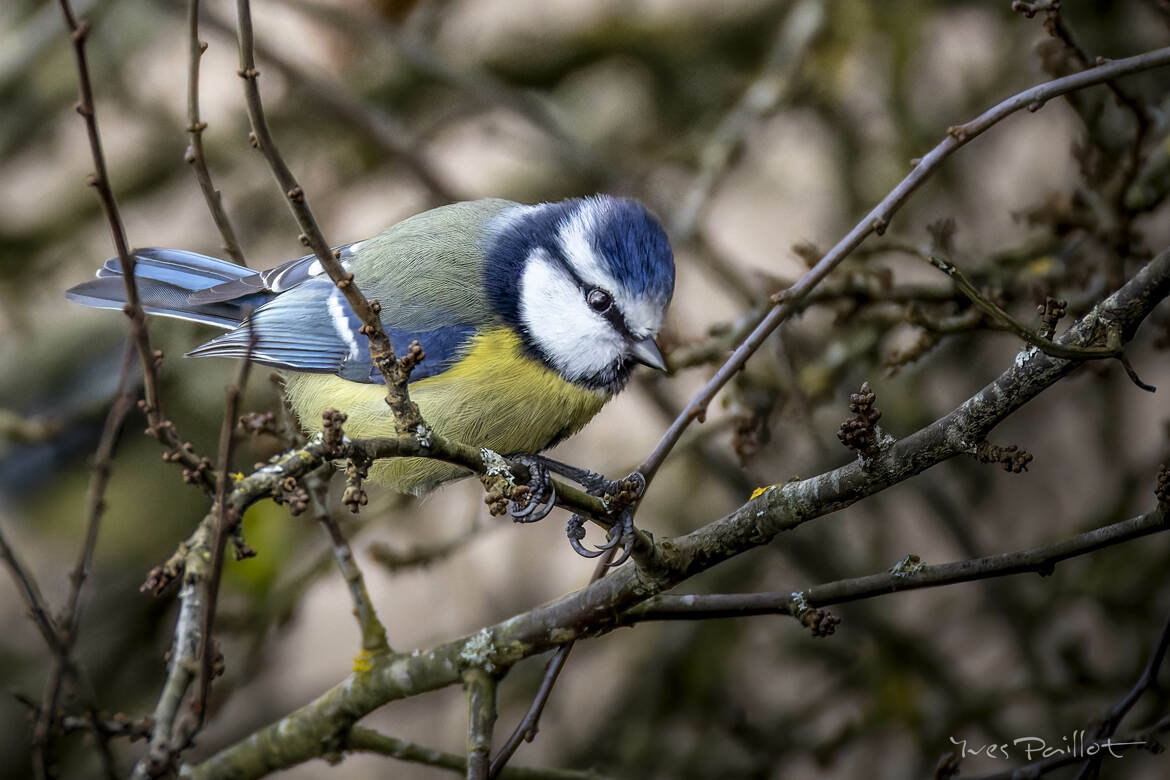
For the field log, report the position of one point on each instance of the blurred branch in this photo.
(19, 429)
(38, 611)
(1041, 560)
(379, 128)
(800, 27)
(876, 221)
(477, 85)
(66, 624)
(369, 741)
(374, 641)
(597, 609)
(421, 555)
(195, 128)
(1148, 681)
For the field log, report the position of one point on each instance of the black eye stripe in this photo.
(613, 314)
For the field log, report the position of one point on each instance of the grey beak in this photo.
(646, 352)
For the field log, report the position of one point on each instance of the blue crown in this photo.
(626, 237)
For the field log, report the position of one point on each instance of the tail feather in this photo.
(165, 279)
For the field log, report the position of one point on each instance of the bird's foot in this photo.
(619, 496)
(620, 533)
(542, 496)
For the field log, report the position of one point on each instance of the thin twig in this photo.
(395, 372)
(374, 641)
(67, 623)
(526, 729)
(225, 521)
(1010, 323)
(876, 221)
(192, 651)
(195, 128)
(369, 741)
(1146, 682)
(1041, 560)
(159, 426)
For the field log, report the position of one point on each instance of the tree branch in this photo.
(481, 720)
(195, 128)
(374, 641)
(597, 609)
(395, 372)
(369, 741)
(1041, 560)
(876, 221)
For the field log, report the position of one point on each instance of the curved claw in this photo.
(542, 495)
(575, 529)
(623, 533)
(628, 544)
(615, 538)
(535, 510)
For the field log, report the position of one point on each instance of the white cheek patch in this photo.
(579, 342)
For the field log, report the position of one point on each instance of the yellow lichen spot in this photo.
(759, 492)
(363, 661)
(1041, 266)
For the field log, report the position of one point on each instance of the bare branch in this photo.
(877, 220)
(526, 729)
(67, 623)
(369, 741)
(1013, 325)
(1041, 560)
(395, 372)
(374, 641)
(481, 720)
(195, 128)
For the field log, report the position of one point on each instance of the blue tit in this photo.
(531, 318)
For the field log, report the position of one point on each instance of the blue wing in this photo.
(165, 279)
(312, 328)
(276, 280)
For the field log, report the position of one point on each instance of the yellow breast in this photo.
(495, 396)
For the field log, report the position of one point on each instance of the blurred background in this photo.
(760, 132)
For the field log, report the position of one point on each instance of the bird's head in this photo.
(586, 283)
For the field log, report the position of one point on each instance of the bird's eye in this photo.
(599, 300)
